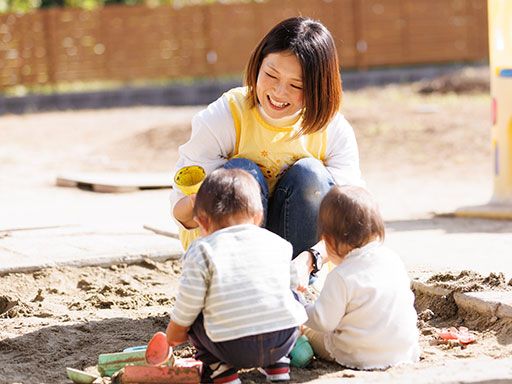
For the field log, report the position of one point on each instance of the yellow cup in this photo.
(189, 179)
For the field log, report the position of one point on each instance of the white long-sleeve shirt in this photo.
(366, 310)
(213, 141)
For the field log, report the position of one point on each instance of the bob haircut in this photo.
(350, 216)
(228, 193)
(314, 47)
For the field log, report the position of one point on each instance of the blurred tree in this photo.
(84, 4)
(20, 6)
(27, 5)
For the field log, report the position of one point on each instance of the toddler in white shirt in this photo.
(364, 316)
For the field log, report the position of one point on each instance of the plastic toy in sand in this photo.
(302, 353)
(460, 335)
(158, 351)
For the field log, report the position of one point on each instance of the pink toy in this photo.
(158, 351)
(184, 371)
(462, 335)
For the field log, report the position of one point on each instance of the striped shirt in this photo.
(239, 278)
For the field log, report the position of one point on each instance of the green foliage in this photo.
(19, 6)
(22, 6)
(84, 4)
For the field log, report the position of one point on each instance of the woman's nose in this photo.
(280, 89)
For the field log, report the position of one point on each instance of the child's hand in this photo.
(176, 334)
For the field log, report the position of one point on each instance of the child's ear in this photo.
(258, 218)
(204, 223)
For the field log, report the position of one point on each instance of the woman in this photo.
(284, 127)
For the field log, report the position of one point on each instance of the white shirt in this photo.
(366, 309)
(213, 140)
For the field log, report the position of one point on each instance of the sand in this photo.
(65, 317)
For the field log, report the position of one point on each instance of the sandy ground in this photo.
(419, 153)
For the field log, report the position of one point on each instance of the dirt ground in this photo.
(65, 317)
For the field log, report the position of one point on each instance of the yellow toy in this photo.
(500, 55)
(189, 179)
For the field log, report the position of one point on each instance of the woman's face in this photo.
(279, 85)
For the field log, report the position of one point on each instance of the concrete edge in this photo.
(97, 262)
(467, 302)
(429, 289)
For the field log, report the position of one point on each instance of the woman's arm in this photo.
(342, 154)
(211, 143)
(303, 265)
(184, 211)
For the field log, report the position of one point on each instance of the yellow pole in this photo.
(500, 46)
(500, 62)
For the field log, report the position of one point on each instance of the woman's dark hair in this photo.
(227, 193)
(314, 47)
(349, 215)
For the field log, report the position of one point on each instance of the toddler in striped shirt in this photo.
(235, 302)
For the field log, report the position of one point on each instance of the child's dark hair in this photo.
(314, 47)
(227, 193)
(350, 216)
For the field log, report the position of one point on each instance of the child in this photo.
(234, 301)
(284, 127)
(364, 317)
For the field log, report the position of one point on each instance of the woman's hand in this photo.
(184, 211)
(303, 265)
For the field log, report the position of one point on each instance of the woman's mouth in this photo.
(276, 104)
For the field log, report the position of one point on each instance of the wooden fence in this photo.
(134, 42)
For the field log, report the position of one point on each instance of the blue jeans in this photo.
(246, 352)
(292, 211)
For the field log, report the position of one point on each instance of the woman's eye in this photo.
(296, 86)
(269, 75)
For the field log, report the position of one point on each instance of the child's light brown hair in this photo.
(228, 193)
(349, 215)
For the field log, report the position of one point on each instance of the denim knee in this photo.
(251, 167)
(308, 174)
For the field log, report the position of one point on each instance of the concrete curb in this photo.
(491, 304)
(100, 261)
(83, 245)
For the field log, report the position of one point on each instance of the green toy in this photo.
(109, 363)
(302, 353)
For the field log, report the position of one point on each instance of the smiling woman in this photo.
(284, 127)
(279, 85)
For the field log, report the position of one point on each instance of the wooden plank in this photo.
(109, 182)
(5, 230)
(169, 229)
